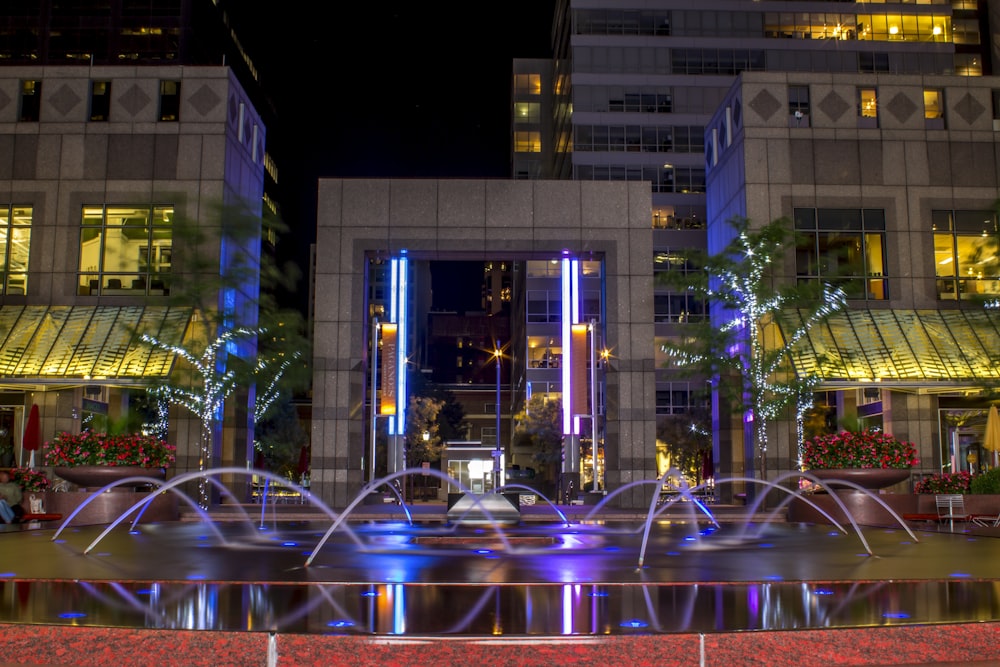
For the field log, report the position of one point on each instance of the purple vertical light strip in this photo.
(567, 361)
(402, 338)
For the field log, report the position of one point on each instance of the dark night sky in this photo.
(413, 90)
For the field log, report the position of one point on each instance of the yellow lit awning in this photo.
(66, 345)
(926, 351)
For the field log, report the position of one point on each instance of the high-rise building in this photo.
(117, 119)
(633, 88)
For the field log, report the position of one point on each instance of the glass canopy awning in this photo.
(42, 346)
(925, 351)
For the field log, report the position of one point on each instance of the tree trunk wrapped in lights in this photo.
(746, 338)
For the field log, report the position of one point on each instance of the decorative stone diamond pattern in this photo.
(64, 100)
(901, 107)
(834, 106)
(204, 100)
(134, 100)
(969, 109)
(765, 104)
(4, 99)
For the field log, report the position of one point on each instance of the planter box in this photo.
(868, 512)
(108, 506)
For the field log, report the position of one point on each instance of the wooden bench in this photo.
(27, 518)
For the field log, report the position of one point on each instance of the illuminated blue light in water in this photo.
(673, 553)
(289, 544)
(689, 538)
(766, 545)
(822, 591)
(340, 624)
(959, 575)
(72, 614)
(774, 577)
(370, 594)
(598, 594)
(60, 541)
(7, 575)
(895, 614)
(612, 548)
(134, 532)
(145, 591)
(196, 577)
(634, 623)
(484, 551)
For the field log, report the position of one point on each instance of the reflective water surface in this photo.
(398, 579)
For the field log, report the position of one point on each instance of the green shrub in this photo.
(987, 482)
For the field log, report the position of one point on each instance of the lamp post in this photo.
(496, 450)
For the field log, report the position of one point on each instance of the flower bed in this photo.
(29, 479)
(102, 449)
(957, 482)
(858, 449)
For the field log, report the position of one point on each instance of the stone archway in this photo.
(479, 219)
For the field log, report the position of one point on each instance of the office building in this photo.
(115, 121)
(633, 88)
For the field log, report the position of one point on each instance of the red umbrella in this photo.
(32, 440)
(707, 466)
(303, 467)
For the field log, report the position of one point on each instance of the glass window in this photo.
(845, 247)
(527, 142)
(867, 103)
(15, 243)
(125, 250)
(675, 398)
(528, 84)
(544, 306)
(170, 100)
(965, 254)
(527, 112)
(31, 101)
(100, 100)
(798, 100)
(933, 104)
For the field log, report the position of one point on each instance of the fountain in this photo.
(681, 569)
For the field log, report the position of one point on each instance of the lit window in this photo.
(933, 107)
(100, 100)
(527, 142)
(528, 84)
(527, 112)
(125, 250)
(170, 100)
(845, 247)
(15, 242)
(868, 103)
(31, 101)
(965, 254)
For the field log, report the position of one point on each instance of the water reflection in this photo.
(537, 609)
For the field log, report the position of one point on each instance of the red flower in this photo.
(864, 449)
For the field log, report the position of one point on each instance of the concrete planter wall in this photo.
(108, 506)
(868, 512)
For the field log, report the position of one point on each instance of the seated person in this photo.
(10, 499)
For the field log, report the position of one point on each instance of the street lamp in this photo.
(496, 452)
